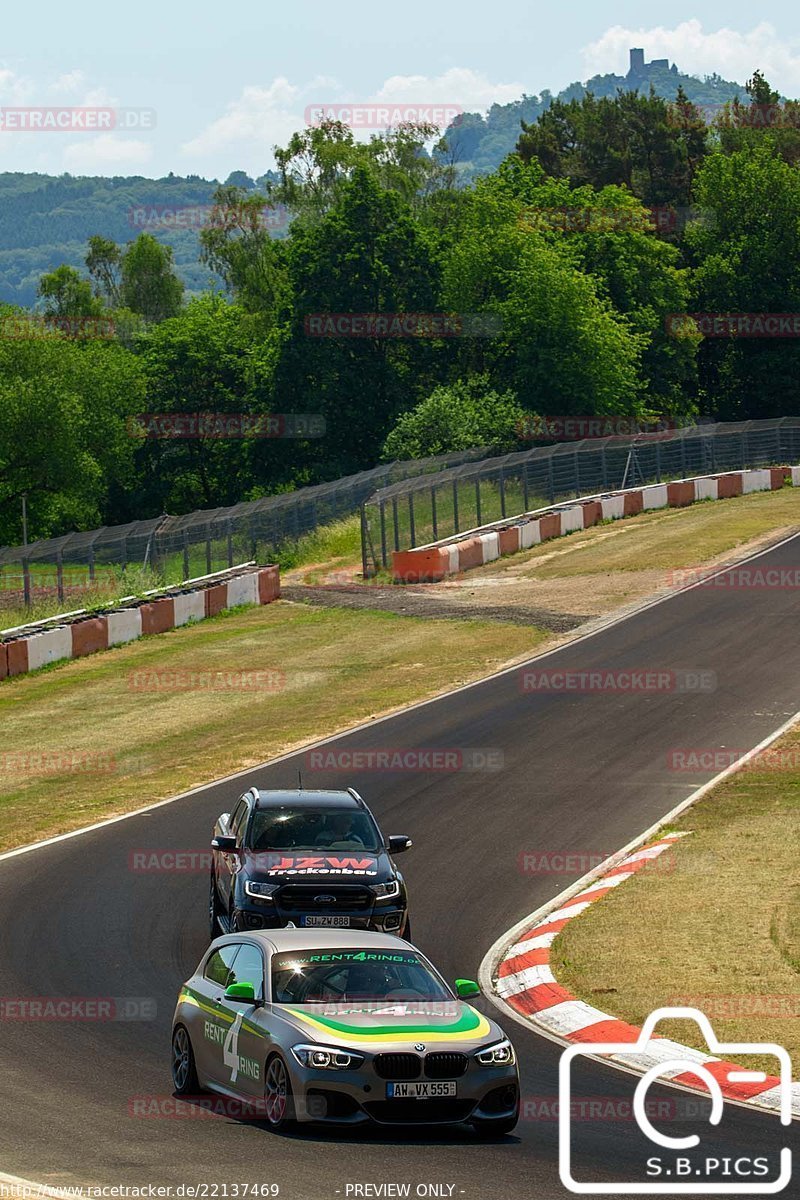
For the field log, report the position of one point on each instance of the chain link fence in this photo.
(178, 548)
(414, 512)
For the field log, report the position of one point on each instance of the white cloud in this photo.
(103, 154)
(728, 52)
(459, 86)
(68, 83)
(259, 119)
(265, 116)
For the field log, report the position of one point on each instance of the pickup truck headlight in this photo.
(327, 1058)
(501, 1054)
(259, 891)
(387, 891)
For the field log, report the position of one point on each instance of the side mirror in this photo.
(226, 844)
(398, 843)
(466, 988)
(241, 991)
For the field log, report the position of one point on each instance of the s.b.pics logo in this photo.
(696, 1151)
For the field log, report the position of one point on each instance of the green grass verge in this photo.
(717, 927)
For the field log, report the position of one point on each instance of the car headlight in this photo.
(260, 891)
(501, 1054)
(387, 891)
(327, 1058)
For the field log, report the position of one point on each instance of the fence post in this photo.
(364, 564)
(26, 582)
(455, 506)
(604, 468)
(525, 496)
(60, 575)
(550, 485)
(230, 544)
(412, 526)
(91, 563)
(396, 524)
(382, 511)
(658, 462)
(502, 493)
(433, 515)
(185, 554)
(478, 501)
(208, 556)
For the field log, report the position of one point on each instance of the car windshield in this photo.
(339, 976)
(305, 828)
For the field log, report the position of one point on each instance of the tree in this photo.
(562, 348)
(458, 416)
(64, 437)
(238, 246)
(747, 257)
(149, 285)
(66, 294)
(205, 360)
(103, 264)
(365, 256)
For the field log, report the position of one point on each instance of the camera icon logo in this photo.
(675, 1171)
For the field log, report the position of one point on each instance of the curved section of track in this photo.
(583, 774)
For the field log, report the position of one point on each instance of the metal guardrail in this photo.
(176, 547)
(414, 512)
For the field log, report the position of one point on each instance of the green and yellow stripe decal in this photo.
(469, 1026)
(187, 996)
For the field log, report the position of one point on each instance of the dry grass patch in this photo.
(145, 738)
(717, 927)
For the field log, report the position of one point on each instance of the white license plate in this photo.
(419, 1091)
(327, 922)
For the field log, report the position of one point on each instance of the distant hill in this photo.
(478, 143)
(47, 219)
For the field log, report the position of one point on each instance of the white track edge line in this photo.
(601, 627)
(494, 955)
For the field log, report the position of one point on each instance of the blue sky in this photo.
(228, 82)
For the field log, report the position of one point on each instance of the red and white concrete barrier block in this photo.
(432, 563)
(31, 647)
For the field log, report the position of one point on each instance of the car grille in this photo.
(445, 1065)
(397, 1066)
(419, 1112)
(301, 897)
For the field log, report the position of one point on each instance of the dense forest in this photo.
(403, 312)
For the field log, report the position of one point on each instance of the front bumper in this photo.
(381, 918)
(357, 1097)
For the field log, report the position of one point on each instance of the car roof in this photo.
(314, 799)
(281, 940)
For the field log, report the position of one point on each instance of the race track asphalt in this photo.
(582, 774)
